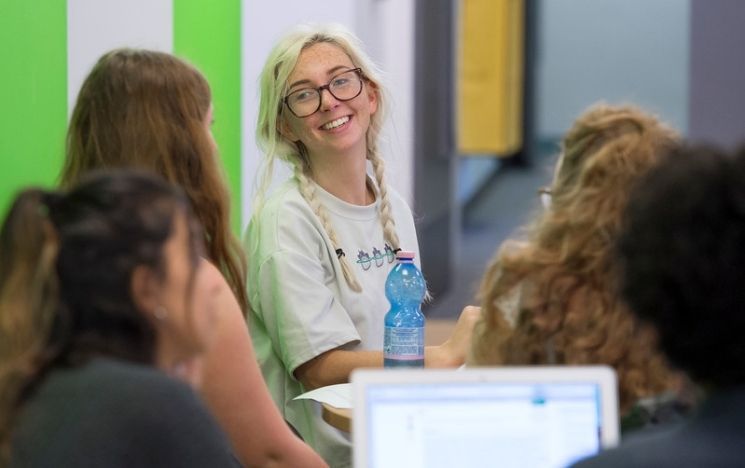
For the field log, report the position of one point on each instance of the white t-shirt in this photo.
(301, 303)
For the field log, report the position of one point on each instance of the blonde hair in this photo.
(273, 86)
(569, 309)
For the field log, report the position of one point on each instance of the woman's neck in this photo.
(173, 363)
(345, 177)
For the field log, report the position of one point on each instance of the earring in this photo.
(160, 313)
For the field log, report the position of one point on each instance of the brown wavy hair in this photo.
(561, 275)
(146, 109)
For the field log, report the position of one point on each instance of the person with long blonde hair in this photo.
(550, 298)
(153, 111)
(321, 246)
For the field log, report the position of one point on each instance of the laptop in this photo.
(536, 417)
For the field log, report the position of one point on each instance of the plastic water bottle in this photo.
(403, 344)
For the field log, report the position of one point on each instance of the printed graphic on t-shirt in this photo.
(367, 259)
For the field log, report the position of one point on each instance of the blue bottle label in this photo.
(403, 346)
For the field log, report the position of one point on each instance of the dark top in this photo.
(656, 412)
(712, 438)
(110, 413)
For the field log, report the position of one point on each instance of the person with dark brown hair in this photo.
(102, 294)
(680, 257)
(151, 110)
(551, 297)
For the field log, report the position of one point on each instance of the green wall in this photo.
(208, 34)
(33, 91)
(33, 86)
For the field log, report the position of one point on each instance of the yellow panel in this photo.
(490, 77)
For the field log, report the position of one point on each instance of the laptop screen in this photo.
(481, 417)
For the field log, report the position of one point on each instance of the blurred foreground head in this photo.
(682, 253)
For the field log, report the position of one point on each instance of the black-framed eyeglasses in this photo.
(343, 87)
(545, 194)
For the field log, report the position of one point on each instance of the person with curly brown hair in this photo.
(550, 298)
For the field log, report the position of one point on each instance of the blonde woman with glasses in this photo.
(322, 244)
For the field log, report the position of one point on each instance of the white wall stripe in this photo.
(386, 27)
(96, 26)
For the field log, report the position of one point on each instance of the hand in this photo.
(453, 352)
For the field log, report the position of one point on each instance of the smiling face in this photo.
(338, 127)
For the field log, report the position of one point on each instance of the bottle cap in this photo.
(405, 255)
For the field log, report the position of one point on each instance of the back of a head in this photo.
(65, 276)
(142, 109)
(147, 110)
(682, 253)
(105, 227)
(603, 154)
(569, 310)
(98, 232)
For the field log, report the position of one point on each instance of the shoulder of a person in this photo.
(674, 445)
(400, 209)
(644, 454)
(147, 397)
(213, 270)
(111, 403)
(169, 422)
(226, 299)
(396, 198)
(283, 199)
(284, 209)
(286, 222)
(131, 389)
(618, 457)
(106, 368)
(133, 379)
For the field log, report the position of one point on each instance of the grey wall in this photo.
(436, 210)
(717, 99)
(613, 50)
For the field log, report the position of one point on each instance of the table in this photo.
(436, 332)
(340, 418)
